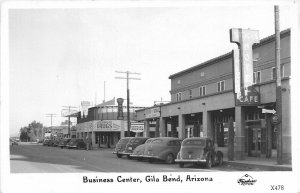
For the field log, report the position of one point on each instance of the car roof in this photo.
(197, 138)
(167, 138)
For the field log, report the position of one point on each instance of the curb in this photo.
(259, 166)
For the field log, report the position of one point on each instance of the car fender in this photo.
(163, 154)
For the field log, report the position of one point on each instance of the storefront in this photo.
(204, 102)
(104, 133)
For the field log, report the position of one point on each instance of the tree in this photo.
(31, 132)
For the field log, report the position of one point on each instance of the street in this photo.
(36, 158)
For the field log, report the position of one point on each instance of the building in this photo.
(203, 103)
(105, 125)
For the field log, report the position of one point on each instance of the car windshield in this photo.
(157, 141)
(149, 141)
(198, 142)
(136, 140)
(122, 141)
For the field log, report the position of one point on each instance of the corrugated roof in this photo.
(228, 55)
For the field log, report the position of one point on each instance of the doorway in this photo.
(257, 141)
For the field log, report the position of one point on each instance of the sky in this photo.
(60, 57)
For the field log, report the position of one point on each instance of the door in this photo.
(255, 140)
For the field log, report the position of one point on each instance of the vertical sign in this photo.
(120, 108)
(245, 38)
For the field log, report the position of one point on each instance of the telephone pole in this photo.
(69, 116)
(278, 86)
(51, 115)
(128, 95)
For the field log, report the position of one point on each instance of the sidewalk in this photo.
(259, 163)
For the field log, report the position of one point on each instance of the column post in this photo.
(162, 127)
(181, 125)
(147, 128)
(206, 124)
(239, 147)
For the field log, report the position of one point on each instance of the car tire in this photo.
(181, 165)
(128, 157)
(208, 163)
(170, 159)
(119, 155)
(140, 159)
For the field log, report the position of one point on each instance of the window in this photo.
(191, 93)
(256, 77)
(178, 96)
(202, 90)
(221, 86)
(273, 73)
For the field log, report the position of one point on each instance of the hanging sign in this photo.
(137, 127)
(252, 98)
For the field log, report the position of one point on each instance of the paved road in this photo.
(36, 158)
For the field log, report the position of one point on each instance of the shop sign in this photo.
(248, 98)
(275, 119)
(243, 61)
(152, 113)
(137, 127)
(120, 108)
(105, 125)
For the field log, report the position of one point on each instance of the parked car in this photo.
(76, 144)
(51, 142)
(139, 151)
(199, 150)
(132, 144)
(120, 147)
(63, 143)
(56, 142)
(162, 148)
(13, 142)
(46, 142)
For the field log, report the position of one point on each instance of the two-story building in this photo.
(203, 103)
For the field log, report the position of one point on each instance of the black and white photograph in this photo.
(149, 96)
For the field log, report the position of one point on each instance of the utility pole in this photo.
(51, 115)
(69, 116)
(278, 85)
(128, 95)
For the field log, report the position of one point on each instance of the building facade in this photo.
(203, 103)
(103, 125)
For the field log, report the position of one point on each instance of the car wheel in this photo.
(208, 162)
(181, 165)
(170, 159)
(139, 159)
(128, 157)
(220, 159)
(119, 155)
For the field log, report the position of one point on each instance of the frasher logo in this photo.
(246, 180)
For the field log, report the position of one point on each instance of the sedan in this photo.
(162, 148)
(63, 143)
(76, 144)
(120, 147)
(139, 151)
(133, 143)
(199, 150)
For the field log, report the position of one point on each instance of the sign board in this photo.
(243, 62)
(137, 127)
(268, 111)
(67, 113)
(275, 119)
(105, 125)
(252, 98)
(152, 112)
(120, 108)
(85, 107)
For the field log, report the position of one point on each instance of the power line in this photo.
(128, 95)
(69, 115)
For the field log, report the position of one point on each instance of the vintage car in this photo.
(76, 144)
(120, 146)
(63, 143)
(138, 152)
(56, 142)
(46, 142)
(199, 150)
(132, 144)
(162, 148)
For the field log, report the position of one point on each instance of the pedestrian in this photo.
(87, 143)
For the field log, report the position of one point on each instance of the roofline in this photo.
(229, 54)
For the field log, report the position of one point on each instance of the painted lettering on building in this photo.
(152, 113)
